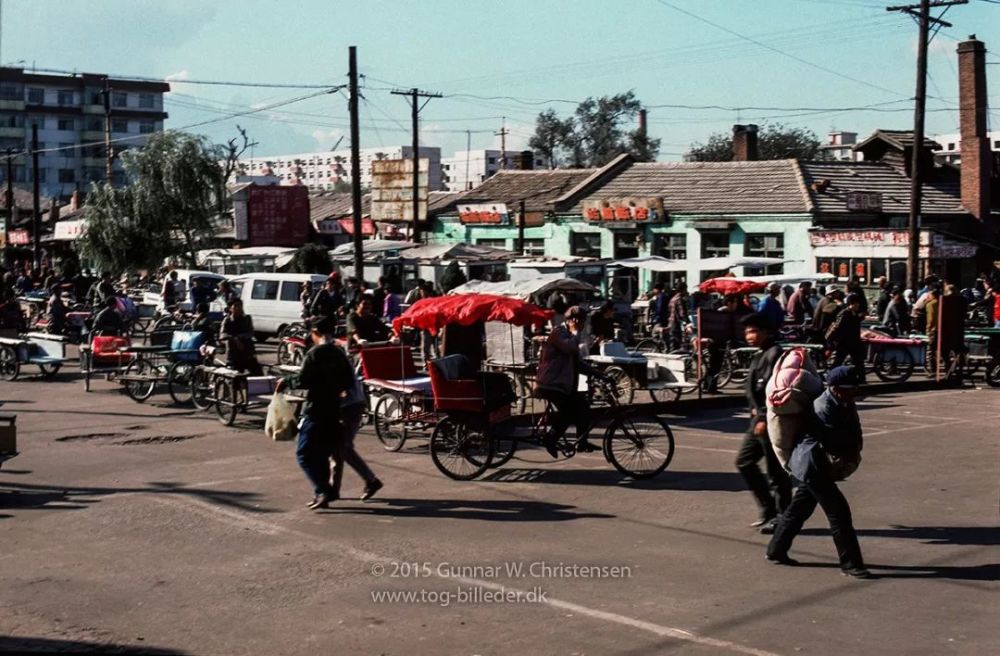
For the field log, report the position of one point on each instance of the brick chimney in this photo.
(977, 160)
(744, 143)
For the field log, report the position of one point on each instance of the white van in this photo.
(151, 296)
(272, 299)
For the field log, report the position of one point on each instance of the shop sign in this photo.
(860, 238)
(68, 230)
(864, 201)
(617, 210)
(484, 214)
(19, 237)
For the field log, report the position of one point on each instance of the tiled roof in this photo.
(771, 186)
(900, 139)
(941, 196)
(538, 189)
(336, 205)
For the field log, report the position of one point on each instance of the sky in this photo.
(503, 61)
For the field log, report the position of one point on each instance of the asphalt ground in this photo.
(149, 528)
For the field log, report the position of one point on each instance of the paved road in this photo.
(157, 530)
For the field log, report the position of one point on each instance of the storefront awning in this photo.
(367, 226)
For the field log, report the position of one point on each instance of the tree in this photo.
(452, 277)
(595, 134)
(170, 205)
(774, 141)
(311, 258)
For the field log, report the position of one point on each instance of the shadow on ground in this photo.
(667, 480)
(23, 645)
(962, 535)
(513, 510)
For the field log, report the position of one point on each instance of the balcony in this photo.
(16, 133)
(94, 162)
(12, 105)
(93, 109)
(89, 136)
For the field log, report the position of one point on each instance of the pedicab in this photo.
(47, 352)
(474, 429)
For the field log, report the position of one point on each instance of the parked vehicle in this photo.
(272, 299)
(151, 295)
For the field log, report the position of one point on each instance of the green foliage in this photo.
(311, 258)
(452, 277)
(595, 134)
(168, 208)
(774, 141)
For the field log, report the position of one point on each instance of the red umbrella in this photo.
(732, 286)
(466, 309)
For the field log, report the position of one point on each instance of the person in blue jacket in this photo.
(771, 308)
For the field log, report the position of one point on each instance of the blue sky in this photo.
(534, 51)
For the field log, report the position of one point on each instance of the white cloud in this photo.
(179, 75)
(325, 139)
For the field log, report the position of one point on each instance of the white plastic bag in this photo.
(280, 422)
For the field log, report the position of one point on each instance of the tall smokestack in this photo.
(642, 124)
(976, 156)
(744, 143)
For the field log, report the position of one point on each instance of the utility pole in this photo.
(922, 14)
(521, 216)
(503, 142)
(9, 197)
(415, 95)
(468, 154)
(359, 259)
(36, 210)
(108, 155)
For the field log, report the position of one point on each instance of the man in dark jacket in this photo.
(774, 492)
(885, 294)
(109, 321)
(329, 299)
(829, 450)
(897, 314)
(844, 336)
(677, 317)
(237, 333)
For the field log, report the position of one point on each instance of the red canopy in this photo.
(732, 286)
(466, 309)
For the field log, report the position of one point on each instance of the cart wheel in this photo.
(139, 390)
(165, 323)
(504, 447)
(726, 369)
(665, 395)
(623, 385)
(896, 371)
(390, 422)
(226, 403)
(179, 379)
(201, 388)
(993, 373)
(459, 452)
(285, 352)
(10, 367)
(650, 346)
(49, 370)
(639, 446)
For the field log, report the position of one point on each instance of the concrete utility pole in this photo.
(415, 96)
(503, 142)
(9, 198)
(108, 154)
(922, 14)
(36, 210)
(359, 259)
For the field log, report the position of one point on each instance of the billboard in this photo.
(484, 213)
(392, 189)
(634, 210)
(273, 216)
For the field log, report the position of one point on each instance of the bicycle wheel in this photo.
(139, 380)
(10, 367)
(179, 379)
(166, 323)
(390, 422)
(896, 368)
(201, 388)
(459, 452)
(226, 401)
(622, 385)
(726, 370)
(504, 447)
(993, 373)
(49, 370)
(640, 446)
(650, 346)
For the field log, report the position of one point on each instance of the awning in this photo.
(653, 263)
(367, 226)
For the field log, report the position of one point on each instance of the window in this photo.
(585, 244)
(67, 175)
(264, 290)
(11, 120)
(951, 146)
(65, 98)
(714, 244)
(119, 125)
(147, 127)
(93, 151)
(290, 291)
(119, 99)
(672, 247)
(66, 124)
(996, 144)
(118, 178)
(11, 92)
(534, 247)
(492, 243)
(147, 101)
(771, 245)
(36, 96)
(95, 124)
(93, 174)
(96, 97)
(68, 149)
(492, 160)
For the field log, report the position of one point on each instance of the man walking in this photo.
(774, 492)
(677, 317)
(829, 451)
(771, 308)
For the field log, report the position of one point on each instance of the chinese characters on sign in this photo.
(19, 237)
(277, 216)
(392, 189)
(862, 238)
(484, 213)
(612, 210)
(864, 201)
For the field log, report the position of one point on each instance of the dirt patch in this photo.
(156, 439)
(90, 436)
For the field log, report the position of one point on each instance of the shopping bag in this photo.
(280, 422)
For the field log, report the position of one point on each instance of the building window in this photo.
(147, 101)
(66, 124)
(119, 125)
(147, 127)
(770, 245)
(714, 244)
(492, 243)
(93, 174)
(67, 150)
(65, 98)
(67, 175)
(492, 160)
(119, 99)
(996, 144)
(36, 96)
(118, 178)
(534, 247)
(95, 124)
(951, 146)
(12, 120)
(585, 244)
(11, 92)
(672, 247)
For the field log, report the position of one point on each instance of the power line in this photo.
(225, 83)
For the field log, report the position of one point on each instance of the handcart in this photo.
(47, 352)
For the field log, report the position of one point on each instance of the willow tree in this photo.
(169, 207)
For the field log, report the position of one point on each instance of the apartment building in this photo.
(468, 169)
(69, 111)
(951, 146)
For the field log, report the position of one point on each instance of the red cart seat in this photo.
(104, 351)
(457, 387)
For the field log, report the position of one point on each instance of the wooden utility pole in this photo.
(503, 142)
(108, 154)
(521, 217)
(36, 210)
(415, 107)
(9, 204)
(359, 259)
(922, 14)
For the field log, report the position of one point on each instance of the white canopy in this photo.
(653, 263)
(792, 279)
(720, 263)
(456, 251)
(281, 256)
(369, 246)
(525, 289)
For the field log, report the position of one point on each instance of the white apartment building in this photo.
(468, 169)
(840, 146)
(951, 146)
(322, 170)
(69, 113)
